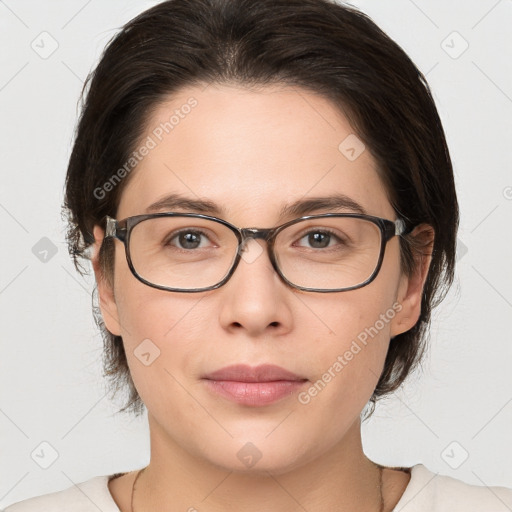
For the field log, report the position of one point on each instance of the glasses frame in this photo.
(122, 229)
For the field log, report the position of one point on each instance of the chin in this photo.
(259, 456)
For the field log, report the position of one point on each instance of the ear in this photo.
(410, 289)
(106, 295)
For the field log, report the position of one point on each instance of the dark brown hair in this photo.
(324, 47)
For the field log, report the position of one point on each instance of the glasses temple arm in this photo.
(111, 227)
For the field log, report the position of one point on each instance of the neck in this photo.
(342, 479)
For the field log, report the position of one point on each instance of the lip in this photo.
(254, 386)
(246, 373)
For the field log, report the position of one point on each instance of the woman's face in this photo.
(252, 153)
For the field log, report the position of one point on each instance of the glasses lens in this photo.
(328, 252)
(182, 252)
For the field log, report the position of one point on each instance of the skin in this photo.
(252, 151)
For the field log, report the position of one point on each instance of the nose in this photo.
(255, 299)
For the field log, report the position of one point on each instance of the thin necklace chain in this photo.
(381, 509)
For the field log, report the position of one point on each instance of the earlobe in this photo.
(411, 287)
(106, 295)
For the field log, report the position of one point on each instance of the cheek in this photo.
(163, 317)
(360, 315)
(160, 333)
(146, 312)
(157, 327)
(350, 359)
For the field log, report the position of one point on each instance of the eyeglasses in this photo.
(188, 252)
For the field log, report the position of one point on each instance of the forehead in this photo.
(251, 153)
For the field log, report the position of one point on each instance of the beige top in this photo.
(425, 492)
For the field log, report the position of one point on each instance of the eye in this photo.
(321, 238)
(187, 239)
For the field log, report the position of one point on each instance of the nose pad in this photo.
(251, 250)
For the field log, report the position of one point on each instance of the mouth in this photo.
(254, 386)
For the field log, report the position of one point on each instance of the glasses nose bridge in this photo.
(264, 234)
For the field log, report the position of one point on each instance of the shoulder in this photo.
(89, 496)
(433, 492)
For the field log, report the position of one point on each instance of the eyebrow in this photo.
(300, 208)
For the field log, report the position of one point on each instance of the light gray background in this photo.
(459, 405)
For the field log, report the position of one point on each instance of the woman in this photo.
(266, 195)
